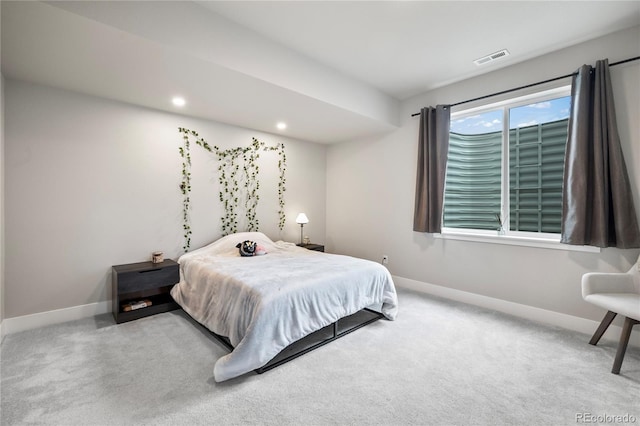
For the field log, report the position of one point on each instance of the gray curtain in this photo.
(597, 205)
(433, 144)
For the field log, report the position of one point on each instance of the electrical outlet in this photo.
(385, 259)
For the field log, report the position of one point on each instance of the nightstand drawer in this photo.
(146, 279)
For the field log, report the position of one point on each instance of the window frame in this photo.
(522, 238)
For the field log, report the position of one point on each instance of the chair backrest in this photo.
(635, 273)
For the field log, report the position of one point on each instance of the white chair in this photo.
(618, 293)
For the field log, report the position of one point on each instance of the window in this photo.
(505, 165)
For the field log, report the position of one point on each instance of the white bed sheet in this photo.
(264, 303)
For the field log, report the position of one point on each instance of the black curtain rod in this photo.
(531, 85)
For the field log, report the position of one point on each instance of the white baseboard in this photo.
(570, 322)
(29, 322)
(582, 325)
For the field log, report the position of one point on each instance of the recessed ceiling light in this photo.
(281, 125)
(178, 101)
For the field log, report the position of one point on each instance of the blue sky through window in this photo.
(526, 115)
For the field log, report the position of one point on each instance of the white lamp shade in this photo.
(302, 218)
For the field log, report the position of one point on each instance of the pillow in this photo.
(228, 245)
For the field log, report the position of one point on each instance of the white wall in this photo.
(371, 184)
(2, 269)
(1, 201)
(92, 183)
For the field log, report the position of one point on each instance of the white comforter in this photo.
(264, 303)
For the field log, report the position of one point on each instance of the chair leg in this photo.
(622, 346)
(606, 321)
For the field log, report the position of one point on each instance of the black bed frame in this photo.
(318, 338)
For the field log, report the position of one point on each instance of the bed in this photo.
(262, 304)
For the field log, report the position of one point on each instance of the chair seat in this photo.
(619, 294)
(627, 304)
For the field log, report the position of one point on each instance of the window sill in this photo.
(545, 243)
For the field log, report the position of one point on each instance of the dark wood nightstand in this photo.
(135, 282)
(316, 247)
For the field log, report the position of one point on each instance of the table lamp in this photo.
(302, 219)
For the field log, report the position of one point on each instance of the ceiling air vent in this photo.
(492, 57)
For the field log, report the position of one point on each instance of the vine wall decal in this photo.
(238, 180)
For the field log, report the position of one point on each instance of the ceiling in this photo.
(332, 70)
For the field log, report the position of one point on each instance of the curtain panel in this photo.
(597, 205)
(433, 144)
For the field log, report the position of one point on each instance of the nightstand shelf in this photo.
(143, 281)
